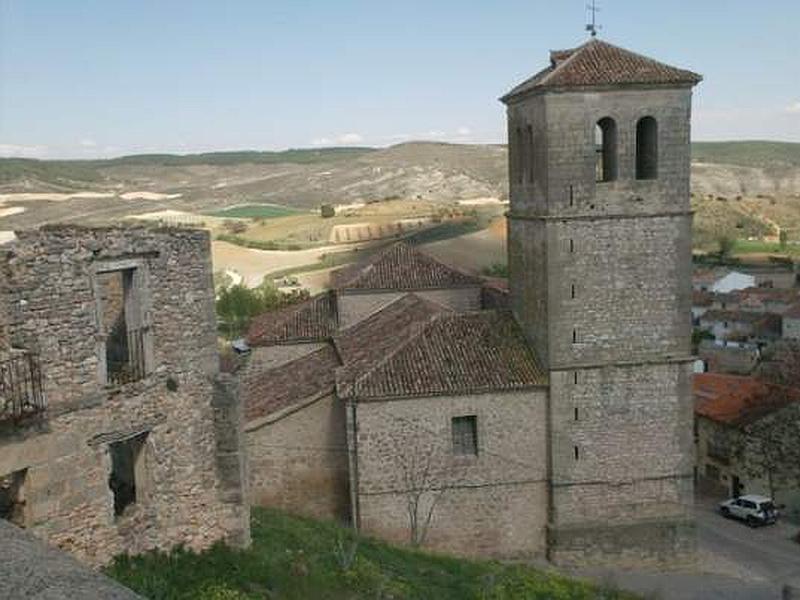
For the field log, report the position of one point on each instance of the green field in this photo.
(748, 153)
(294, 558)
(256, 211)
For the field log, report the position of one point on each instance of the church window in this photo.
(574, 336)
(572, 290)
(519, 156)
(647, 148)
(128, 472)
(605, 145)
(576, 413)
(12, 497)
(571, 245)
(575, 377)
(465, 435)
(571, 196)
(577, 452)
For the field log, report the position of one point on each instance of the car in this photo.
(752, 509)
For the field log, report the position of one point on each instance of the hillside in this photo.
(768, 173)
(300, 559)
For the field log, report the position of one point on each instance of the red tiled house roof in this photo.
(315, 319)
(598, 64)
(454, 354)
(265, 392)
(793, 312)
(738, 400)
(371, 340)
(401, 267)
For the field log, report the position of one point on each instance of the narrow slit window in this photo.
(647, 148)
(519, 156)
(529, 166)
(605, 145)
(571, 245)
(577, 452)
(571, 196)
(574, 336)
(575, 377)
(576, 413)
(572, 291)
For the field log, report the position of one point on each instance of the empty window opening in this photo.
(529, 165)
(119, 302)
(12, 497)
(647, 148)
(572, 290)
(571, 245)
(571, 196)
(575, 377)
(519, 156)
(576, 413)
(465, 435)
(574, 336)
(577, 452)
(605, 146)
(128, 472)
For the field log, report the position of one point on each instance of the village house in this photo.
(729, 411)
(724, 356)
(423, 405)
(721, 281)
(117, 432)
(743, 326)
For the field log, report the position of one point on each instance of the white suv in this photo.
(755, 510)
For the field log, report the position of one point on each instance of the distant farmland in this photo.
(256, 211)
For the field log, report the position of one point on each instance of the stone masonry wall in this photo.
(298, 460)
(494, 504)
(52, 295)
(601, 281)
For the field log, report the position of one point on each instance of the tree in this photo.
(726, 245)
(327, 211)
(783, 239)
(238, 304)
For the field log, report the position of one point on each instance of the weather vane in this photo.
(593, 26)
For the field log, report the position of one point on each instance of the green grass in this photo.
(759, 247)
(445, 231)
(294, 558)
(748, 153)
(255, 211)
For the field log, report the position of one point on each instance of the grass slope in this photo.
(748, 153)
(255, 211)
(294, 559)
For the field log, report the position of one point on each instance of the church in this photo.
(423, 406)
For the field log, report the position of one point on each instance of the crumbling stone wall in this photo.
(184, 494)
(490, 505)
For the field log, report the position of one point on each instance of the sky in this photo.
(98, 78)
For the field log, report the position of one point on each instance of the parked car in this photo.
(754, 510)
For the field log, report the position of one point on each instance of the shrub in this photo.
(327, 211)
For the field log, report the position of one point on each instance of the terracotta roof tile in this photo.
(264, 392)
(596, 64)
(738, 400)
(455, 354)
(313, 320)
(401, 267)
(372, 339)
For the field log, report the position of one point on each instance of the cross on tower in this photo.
(593, 26)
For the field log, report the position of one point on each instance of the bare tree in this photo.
(427, 471)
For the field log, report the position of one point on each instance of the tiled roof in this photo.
(267, 391)
(401, 267)
(702, 298)
(738, 316)
(596, 64)
(372, 339)
(738, 400)
(313, 320)
(455, 354)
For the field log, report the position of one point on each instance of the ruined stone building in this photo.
(406, 401)
(117, 433)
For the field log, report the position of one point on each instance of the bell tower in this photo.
(599, 253)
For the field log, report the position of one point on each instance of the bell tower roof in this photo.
(600, 64)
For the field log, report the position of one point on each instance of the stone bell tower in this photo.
(600, 274)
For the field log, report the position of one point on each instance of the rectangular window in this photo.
(576, 413)
(12, 497)
(575, 377)
(465, 435)
(571, 245)
(572, 291)
(121, 324)
(574, 336)
(530, 152)
(128, 472)
(571, 196)
(577, 452)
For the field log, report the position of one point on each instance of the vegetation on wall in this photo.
(238, 304)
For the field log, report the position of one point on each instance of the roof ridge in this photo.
(559, 66)
(325, 346)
